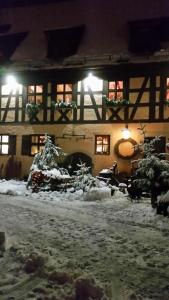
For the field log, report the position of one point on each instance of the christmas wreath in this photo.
(122, 141)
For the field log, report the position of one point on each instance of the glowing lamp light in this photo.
(12, 83)
(92, 82)
(126, 133)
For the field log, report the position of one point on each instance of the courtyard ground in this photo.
(61, 247)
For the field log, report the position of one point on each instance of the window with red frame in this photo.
(64, 92)
(35, 94)
(116, 90)
(102, 144)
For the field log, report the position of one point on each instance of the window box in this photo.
(64, 105)
(115, 102)
(32, 109)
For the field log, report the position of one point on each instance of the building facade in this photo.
(83, 72)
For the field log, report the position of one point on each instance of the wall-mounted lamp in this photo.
(126, 133)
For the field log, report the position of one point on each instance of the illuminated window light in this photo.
(126, 133)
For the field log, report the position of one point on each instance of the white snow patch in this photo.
(12, 187)
(95, 194)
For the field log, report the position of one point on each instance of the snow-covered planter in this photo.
(32, 109)
(95, 194)
(123, 187)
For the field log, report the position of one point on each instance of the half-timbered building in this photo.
(83, 72)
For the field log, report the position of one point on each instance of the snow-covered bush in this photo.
(163, 204)
(93, 189)
(95, 193)
(83, 179)
(44, 172)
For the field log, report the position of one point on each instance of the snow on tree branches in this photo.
(44, 172)
(152, 172)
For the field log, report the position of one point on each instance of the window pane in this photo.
(68, 98)
(41, 139)
(39, 89)
(112, 96)
(105, 148)
(99, 148)
(119, 95)
(31, 99)
(5, 149)
(41, 148)
(31, 89)
(60, 87)
(119, 85)
(38, 99)
(68, 87)
(59, 98)
(105, 140)
(34, 139)
(112, 85)
(5, 139)
(99, 138)
(34, 150)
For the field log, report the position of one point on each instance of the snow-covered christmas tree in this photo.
(44, 169)
(93, 189)
(83, 177)
(153, 169)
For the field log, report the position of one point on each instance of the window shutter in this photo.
(12, 145)
(26, 145)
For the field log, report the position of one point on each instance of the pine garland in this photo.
(115, 102)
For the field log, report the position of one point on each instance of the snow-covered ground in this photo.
(61, 247)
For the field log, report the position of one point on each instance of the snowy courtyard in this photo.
(59, 246)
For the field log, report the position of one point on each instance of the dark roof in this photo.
(63, 42)
(8, 44)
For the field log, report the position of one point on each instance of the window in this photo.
(102, 144)
(32, 144)
(7, 144)
(64, 92)
(37, 143)
(35, 94)
(167, 89)
(63, 42)
(4, 144)
(116, 91)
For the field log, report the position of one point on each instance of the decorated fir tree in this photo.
(45, 165)
(84, 179)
